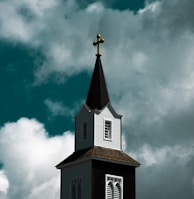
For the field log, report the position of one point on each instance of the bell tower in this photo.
(98, 168)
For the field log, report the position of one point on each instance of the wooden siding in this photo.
(95, 130)
(80, 142)
(99, 140)
(81, 170)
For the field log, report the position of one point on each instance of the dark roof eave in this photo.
(99, 153)
(60, 166)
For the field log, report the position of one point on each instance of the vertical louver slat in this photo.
(79, 191)
(85, 130)
(73, 191)
(76, 188)
(117, 191)
(107, 129)
(109, 190)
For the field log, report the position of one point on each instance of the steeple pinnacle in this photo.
(98, 96)
(97, 43)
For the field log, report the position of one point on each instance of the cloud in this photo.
(29, 157)
(64, 32)
(48, 26)
(165, 171)
(4, 184)
(150, 7)
(56, 108)
(95, 7)
(151, 156)
(21, 20)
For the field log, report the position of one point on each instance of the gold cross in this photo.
(99, 40)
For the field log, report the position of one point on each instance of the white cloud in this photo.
(4, 184)
(150, 7)
(29, 158)
(147, 43)
(95, 7)
(151, 156)
(170, 167)
(58, 108)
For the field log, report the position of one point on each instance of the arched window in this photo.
(76, 188)
(114, 187)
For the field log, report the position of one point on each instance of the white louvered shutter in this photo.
(117, 191)
(109, 190)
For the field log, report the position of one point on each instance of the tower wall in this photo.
(99, 121)
(82, 142)
(81, 172)
(99, 171)
(95, 127)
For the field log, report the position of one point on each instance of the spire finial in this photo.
(97, 43)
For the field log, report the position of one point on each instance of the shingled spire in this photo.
(98, 96)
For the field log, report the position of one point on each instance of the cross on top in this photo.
(97, 43)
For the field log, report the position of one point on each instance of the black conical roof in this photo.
(98, 96)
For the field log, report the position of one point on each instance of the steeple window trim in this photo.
(107, 130)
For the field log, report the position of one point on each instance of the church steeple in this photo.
(98, 168)
(97, 123)
(98, 96)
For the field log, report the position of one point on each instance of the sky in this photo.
(46, 63)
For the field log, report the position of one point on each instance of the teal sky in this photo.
(133, 5)
(22, 99)
(46, 63)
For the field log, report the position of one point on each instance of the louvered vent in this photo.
(109, 190)
(107, 130)
(114, 187)
(76, 188)
(79, 190)
(73, 191)
(117, 191)
(85, 129)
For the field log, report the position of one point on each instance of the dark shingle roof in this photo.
(98, 96)
(100, 153)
